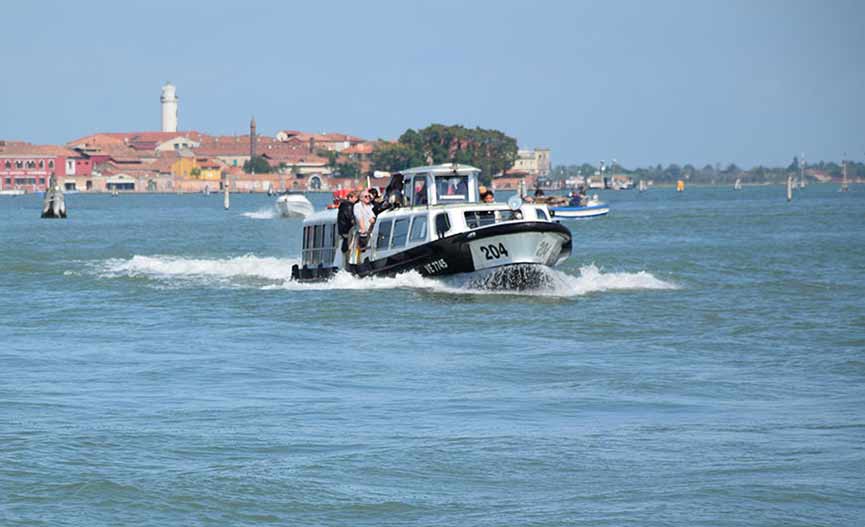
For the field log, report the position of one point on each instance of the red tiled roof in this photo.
(134, 137)
(26, 149)
(329, 138)
(360, 148)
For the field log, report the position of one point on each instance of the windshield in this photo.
(452, 188)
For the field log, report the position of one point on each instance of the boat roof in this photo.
(322, 216)
(443, 169)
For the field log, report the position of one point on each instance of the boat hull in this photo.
(502, 245)
(294, 206)
(591, 211)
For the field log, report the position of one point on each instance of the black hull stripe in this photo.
(427, 259)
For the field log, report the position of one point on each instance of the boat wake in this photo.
(528, 281)
(173, 271)
(266, 213)
(250, 271)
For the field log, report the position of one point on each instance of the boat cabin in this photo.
(441, 185)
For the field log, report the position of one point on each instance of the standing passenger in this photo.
(345, 220)
(364, 218)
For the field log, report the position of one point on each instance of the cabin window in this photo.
(419, 191)
(509, 215)
(400, 233)
(452, 188)
(418, 229)
(307, 243)
(317, 237)
(328, 236)
(443, 224)
(383, 234)
(542, 215)
(479, 218)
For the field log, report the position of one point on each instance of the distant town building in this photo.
(28, 167)
(533, 162)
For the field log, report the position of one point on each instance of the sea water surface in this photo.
(698, 360)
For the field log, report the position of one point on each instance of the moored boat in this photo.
(438, 227)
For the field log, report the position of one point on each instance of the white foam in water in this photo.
(249, 271)
(173, 267)
(266, 213)
(592, 280)
(552, 283)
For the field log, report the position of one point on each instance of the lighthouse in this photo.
(169, 108)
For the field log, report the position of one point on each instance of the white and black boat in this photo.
(442, 228)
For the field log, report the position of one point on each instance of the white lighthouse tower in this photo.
(169, 108)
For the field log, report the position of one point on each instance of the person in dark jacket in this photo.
(345, 219)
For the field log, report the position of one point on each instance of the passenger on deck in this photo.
(578, 199)
(345, 219)
(394, 196)
(420, 193)
(364, 218)
(377, 202)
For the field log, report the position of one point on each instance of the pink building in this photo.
(28, 167)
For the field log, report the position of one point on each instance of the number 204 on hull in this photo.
(437, 226)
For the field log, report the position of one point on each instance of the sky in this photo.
(642, 82)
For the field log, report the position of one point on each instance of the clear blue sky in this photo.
(646, 82)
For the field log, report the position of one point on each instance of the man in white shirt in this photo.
(364, 218)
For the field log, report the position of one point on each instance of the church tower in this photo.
(169, 108)
(252, 144)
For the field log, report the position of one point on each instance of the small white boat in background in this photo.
(294, 205)
(12, 192)
(592, 209)
(738, 184)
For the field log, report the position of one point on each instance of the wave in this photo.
(232, 271)
(266, 213)
(275, 273)
(547, 282)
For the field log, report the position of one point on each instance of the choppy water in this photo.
(699, 360)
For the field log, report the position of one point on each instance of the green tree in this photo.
(259, 163)
(347, 170)
(393, 157)
(491, 151)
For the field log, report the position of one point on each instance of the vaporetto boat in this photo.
(442, 229)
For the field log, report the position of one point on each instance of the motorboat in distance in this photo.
(293, 205)
(439, 227)
(592, 209)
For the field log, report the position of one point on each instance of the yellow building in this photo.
(190, 167)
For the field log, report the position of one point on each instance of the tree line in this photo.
(714, 174)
